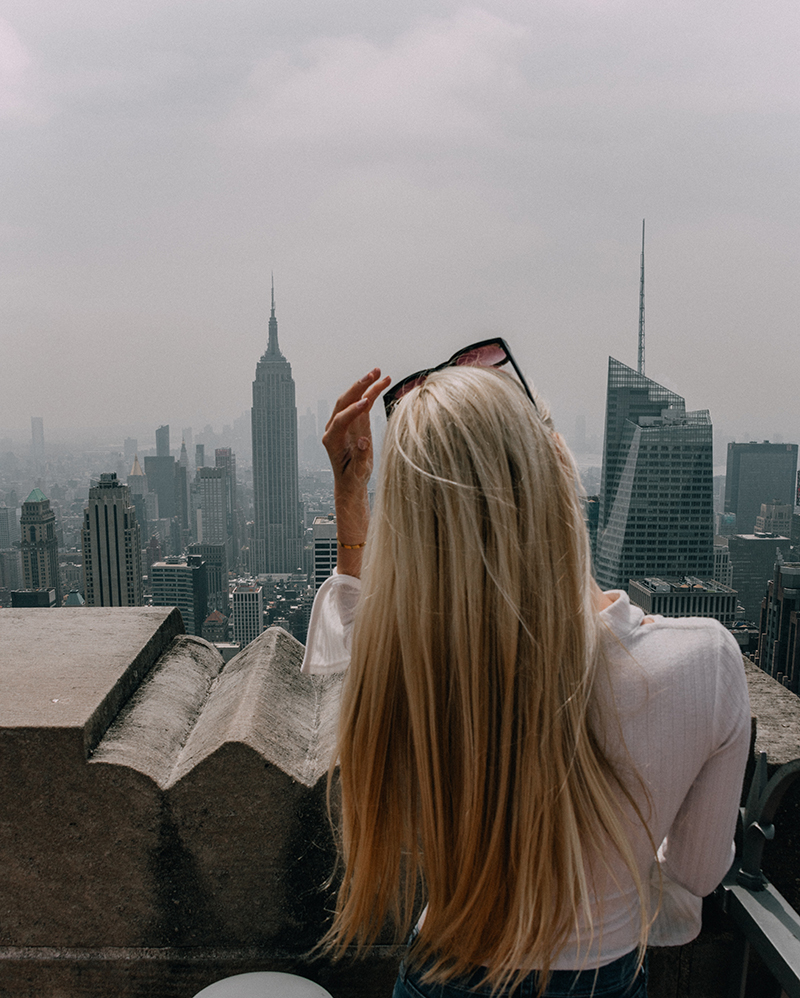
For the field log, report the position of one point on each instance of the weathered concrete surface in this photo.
(70, 672)
(174, 807)
(778, 713)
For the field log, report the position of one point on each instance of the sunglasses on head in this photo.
(487, 353)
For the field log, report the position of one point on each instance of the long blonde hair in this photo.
(469, 771)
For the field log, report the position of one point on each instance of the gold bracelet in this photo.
(350, 547)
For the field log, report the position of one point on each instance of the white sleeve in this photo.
(330, 629)
(699, 846)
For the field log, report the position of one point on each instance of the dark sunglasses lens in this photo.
(396, 393)
(489, 355)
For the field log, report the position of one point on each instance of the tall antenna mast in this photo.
(641, 310)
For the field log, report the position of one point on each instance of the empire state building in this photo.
(278, 538)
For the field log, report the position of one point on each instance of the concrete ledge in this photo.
(49, 972)
(164, 818)
(778, 713)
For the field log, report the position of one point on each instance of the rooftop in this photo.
(684, 584)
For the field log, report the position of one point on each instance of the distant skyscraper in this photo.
(779, 626)
(39, 545)
(182, 487)
(137, 480)
(656, 500)
(112, 550)
(216, 559)
(140, 494)
(8, 527)
(162, 441)
(774, 518)
(162, 479)
(248, 613)
(326, 548)
(276, 491)
(187, 435)
(211, 521)
(225, 458)
(183, 584)
(753, 559)
(758, 473)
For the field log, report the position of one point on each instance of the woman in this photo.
(514, 744)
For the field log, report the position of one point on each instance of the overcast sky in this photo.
(418, 176)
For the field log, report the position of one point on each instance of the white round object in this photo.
(264, 984)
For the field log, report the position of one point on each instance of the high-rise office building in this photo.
(325, 548)
(758, 473)
(112, 549)
(161, 478)
(162, 441)
(779, 627)
(774, 518)
(39, 545)
(656, 499)
(211, 497)
(137, 483)
(8, 527)
(182, 583)
(753, 559)
(248, 613)
(187, 435)
(216, 559)
(182, 491)
(276, 489)
(225, 458)
(688, 597)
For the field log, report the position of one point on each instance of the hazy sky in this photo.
(418, 176)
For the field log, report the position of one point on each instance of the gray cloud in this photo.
(416, 177)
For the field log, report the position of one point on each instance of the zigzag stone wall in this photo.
(164, 817)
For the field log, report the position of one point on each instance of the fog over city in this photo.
(417, 176)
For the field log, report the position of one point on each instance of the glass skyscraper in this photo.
(276, 487)
(656, 496)
(758, 473)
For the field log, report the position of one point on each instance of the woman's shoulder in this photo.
(667, 671)
(698, 648)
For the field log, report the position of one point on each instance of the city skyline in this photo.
(418, 178)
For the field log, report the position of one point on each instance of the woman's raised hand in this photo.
(348, 437)
(348, 441)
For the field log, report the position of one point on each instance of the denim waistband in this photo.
(617, 979)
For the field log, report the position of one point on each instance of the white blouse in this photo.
(678, 687)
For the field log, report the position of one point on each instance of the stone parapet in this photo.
(164, 818)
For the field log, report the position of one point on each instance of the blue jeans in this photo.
(616, 980)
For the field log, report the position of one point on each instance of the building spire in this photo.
(640, 366)
(273, 350)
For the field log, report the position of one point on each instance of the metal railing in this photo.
(765, 918)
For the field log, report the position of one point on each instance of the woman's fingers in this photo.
(354, 393)
(361, 402)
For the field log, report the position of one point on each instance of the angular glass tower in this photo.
(276, 486)
(656, 493)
